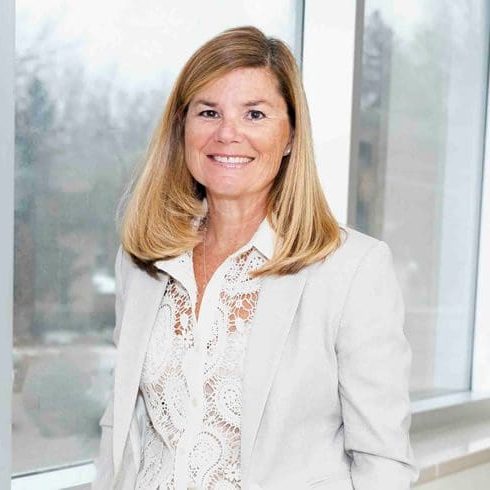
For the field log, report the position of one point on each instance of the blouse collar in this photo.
(263, 241)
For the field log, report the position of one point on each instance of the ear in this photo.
(287, 151)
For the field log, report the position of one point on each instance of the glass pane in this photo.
(91, 80)
(417, 180)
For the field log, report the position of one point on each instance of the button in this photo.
(194, 401)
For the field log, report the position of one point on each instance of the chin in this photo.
(226, 192)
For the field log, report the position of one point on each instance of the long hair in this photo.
(164, 200)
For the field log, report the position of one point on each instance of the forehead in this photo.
(243, 83)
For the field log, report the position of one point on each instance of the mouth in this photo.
(230, 161)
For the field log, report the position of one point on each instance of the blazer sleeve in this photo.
(104, 463)
(374, 360)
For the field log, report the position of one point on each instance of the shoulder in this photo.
(357, 252)
(126, 263)
(355, 242)
(355, 247)
(127, 270)
(359, 268)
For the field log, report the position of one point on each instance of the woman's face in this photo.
(236, 133)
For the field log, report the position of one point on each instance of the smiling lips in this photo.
(230, 161)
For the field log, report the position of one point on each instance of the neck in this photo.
(232, 223)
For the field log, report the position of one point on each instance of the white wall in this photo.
(330, 31)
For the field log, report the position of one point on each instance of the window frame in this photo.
(480, 380)
(7, 118)
(56, 478)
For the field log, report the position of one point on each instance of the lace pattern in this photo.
(191, 379)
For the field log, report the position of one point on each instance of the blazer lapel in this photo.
(142, 301)
(278, 302)
(277, 305)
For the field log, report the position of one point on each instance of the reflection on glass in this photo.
(417, 180)
(91, 79)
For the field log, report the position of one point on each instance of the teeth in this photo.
(233, 160)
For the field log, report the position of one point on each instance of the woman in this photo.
(259, 344)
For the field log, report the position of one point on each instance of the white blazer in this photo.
(325, 390)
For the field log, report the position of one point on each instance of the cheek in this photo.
(195, 138)
(191, 152)
(272, 152)
(272, 141)
(269, 164)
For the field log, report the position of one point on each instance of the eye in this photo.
(256, 115)
(209, 114)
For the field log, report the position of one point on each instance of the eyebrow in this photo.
(256, 102)
(246, 104)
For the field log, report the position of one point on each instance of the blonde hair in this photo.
(163, 200)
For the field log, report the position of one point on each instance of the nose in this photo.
(228, 131)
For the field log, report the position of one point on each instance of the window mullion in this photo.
(7, 9)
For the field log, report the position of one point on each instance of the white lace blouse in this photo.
(191, 378)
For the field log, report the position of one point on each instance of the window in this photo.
(416, 182)
(91, 80)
